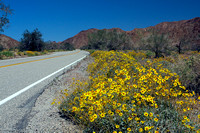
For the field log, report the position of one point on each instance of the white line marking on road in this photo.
(37, 82)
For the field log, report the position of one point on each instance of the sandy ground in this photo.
(45, 117)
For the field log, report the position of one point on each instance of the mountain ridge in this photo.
(177, 30)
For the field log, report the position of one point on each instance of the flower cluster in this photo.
(129, 97)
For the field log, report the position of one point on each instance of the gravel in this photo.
(45, 117)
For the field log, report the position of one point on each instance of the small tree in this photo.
(180, 45)
(25, 43)
(1, 48)
(37, 41)
(157, 43)
(32, 41)
(4, 12)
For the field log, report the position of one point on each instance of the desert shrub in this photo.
(10, 54)
(16, 50)
(149, 54)
(30, 53)
(49, 45)
(137, 55)
(123, 95)
(21, 53)
(45, 52)
(7, 53)
(37, 53)
(188, 68)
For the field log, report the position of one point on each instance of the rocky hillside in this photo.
(185, 29)
(8, 42)
(81, 39)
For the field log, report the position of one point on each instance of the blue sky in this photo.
(60, 19)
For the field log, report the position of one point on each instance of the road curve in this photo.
(18, 74)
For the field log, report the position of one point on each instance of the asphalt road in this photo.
(17, 89)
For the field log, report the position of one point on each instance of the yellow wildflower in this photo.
(102, 115)
(146, 128)
(117, 126)
(140, 130)
(150, 114)
(129, 129)
(146, 114)
(155, 119)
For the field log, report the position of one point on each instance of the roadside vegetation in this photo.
(129, 91)
(9, 54)
(32, 44)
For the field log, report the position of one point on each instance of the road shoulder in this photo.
(45, 117)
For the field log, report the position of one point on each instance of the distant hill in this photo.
(81, 39)
(8, 42)
(185, 29)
